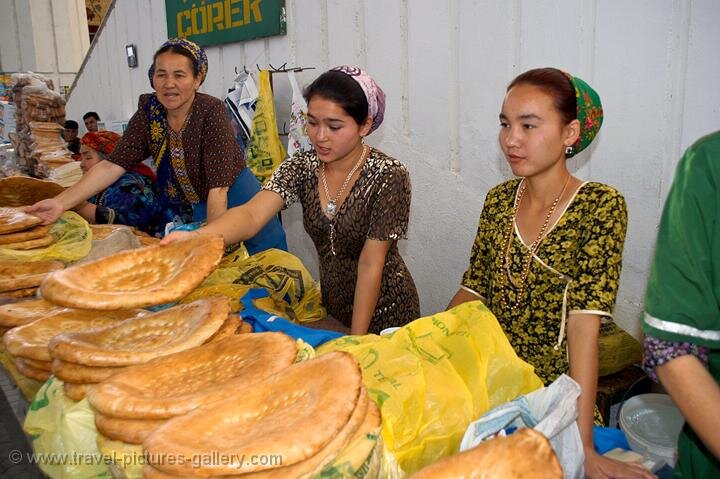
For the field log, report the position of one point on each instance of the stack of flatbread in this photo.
(28, 343)
(24, 191)
(22, 278)
(52, 158)
(136, 278)
(132, 404)
(84, 358)
(525, 454)
(293, 424)
(16, 314)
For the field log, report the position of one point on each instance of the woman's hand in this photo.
(599, 467)
(178, 236)
(48, 210)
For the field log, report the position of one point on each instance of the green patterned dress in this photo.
(576, 269)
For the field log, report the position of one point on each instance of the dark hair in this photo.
(71, 125)
(180, 51)
(91, 114)
(341, 89)
(556, 84)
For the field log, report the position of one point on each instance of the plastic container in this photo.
(652, 424)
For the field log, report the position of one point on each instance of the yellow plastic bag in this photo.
(434, 376)
(64, 435)
(265, 150)
(73, 242)
(124, 460)
(617, 349)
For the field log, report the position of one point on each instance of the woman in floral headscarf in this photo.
(548, 250)
(356, 205)
(200, 168)
(130, 200)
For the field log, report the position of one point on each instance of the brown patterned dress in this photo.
(377, 207)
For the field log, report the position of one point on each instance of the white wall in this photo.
(44, 36)
(444, 67)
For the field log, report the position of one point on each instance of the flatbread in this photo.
(23, 190)
(294, 413)
(14, 219)
(173, 385)
(32, 233)
(130, 431)
(78, 373)
(42, 365)
(526, 454)
(139, 340)
(31, 244)
(18, 293)
(17, 314)
(31, 340)
(233, 325)
(76, 392)
(25, 274)
(26, 370)
(100, 232)
(136, 278)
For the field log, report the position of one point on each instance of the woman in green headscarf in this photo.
(547, 255)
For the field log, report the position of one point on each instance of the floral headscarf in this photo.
(589, 113)
(103, 141)
(374, 94)
(197, 52)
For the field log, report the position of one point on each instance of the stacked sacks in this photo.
(293, 424)
(28, 344)
(21, 278)
(132, 404)
(84, 358)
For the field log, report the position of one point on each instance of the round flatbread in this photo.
(32, 233)
(28, 371)
(233, 325)
(25, 274)
(130, 431)
(136, 278)
(76, 392)
(173, 385)
(14, 219)
(31, 340)
(23, 190)
(525, 453)
(42, 365)
(139, 340)
(18, 293)
(294, 413)
(31, 244)
(23, 312)
(78, 373)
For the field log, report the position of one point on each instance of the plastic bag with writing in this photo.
(298, 139)
(434, 376)
(551, 410)
(265, 151)
(73, 241)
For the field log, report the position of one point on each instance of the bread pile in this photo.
(295, 423)
(89, 357)
(36, 102)
(132, 404)
(25, 191)
(51, 157)
(101, 232)
(22, 278)
(28, 343)
(21, 231)
(525, 454)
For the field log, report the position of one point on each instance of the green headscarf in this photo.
(589, 113)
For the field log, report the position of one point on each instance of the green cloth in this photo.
(682, 302)
(589, 113)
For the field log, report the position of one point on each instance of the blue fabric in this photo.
(262, 321)
(608, 438)
(245, 187)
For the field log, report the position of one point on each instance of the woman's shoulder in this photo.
(387, 163)
(207, 100)
(504, 189)
(600, 193)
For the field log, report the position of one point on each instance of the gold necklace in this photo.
(531, 249)
(332, 208)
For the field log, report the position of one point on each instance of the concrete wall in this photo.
(444, 67)
(45, 36)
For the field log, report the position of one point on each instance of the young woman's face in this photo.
(88, 158)
(533, 135)
(333, 132)
(174, 80)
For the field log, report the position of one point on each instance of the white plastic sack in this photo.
(298, 139)
(551, 410)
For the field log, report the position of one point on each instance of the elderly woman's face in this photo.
(174, 80)
(88, 158)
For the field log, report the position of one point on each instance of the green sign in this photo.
(212, 22)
